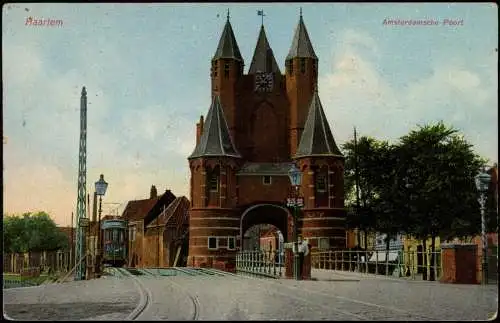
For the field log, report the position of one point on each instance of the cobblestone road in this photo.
(334, 296)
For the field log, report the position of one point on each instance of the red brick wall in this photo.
(264, 128)
(300, 89)
(460, 264)
(251, 189)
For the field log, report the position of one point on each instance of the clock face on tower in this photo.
(264, 82)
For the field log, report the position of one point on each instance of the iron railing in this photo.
(399, 263)
(408, 264)
(260, 263)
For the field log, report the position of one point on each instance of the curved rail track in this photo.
(146, 297)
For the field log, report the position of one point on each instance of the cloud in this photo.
(356, 92)
(134, 145)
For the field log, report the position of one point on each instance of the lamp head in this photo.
(295, 175)
(482, 181)
(101, 186)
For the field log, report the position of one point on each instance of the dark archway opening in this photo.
(262, 214)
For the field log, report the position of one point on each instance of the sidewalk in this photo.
(334, 275)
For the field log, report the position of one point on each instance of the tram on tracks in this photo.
(114, 242)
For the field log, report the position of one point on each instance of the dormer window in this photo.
(302, 65)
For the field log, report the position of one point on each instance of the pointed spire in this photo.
(301, 44)
(215, 140)
(228, 47)
(263, 58)
(317, 138)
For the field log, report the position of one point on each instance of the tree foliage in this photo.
(440, 168)
(368, 154)
(32, 232)
(423, 185)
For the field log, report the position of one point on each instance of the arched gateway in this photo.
(267, 213)
(239, 174)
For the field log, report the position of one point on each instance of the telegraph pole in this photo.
(356, 169)
(72, 243)
(81, 206)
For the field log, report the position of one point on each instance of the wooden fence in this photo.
(53, 261)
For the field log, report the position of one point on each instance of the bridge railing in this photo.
(380, 262)
(260, 263)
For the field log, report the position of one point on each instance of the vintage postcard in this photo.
(250, 161)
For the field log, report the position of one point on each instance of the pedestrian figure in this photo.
(303, 250)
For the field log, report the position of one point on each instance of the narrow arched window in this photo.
(214, 69)
(321, 183)
(213, 180)
(226, 69)
(302, 65)
(290, 66)
(321, 187)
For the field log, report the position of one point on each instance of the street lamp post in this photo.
(295, 203)
(482, 184)
(100, 187)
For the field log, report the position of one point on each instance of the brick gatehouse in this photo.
(257, 125)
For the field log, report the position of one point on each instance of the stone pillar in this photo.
(459, 263)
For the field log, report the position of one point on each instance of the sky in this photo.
(146, 68)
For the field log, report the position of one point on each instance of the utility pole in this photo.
(81, 206)
(72, 244)
(356, 170)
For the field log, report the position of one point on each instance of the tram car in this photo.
(114, 242)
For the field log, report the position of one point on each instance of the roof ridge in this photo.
(172, 207)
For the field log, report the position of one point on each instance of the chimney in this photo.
(153, 193)
(199, 130)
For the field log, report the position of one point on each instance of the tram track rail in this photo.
(265, 284)
(146, 297)
(193, 298)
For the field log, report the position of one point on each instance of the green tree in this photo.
(492, 201)
(364, 163)
(437, 166)
(32, 232)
